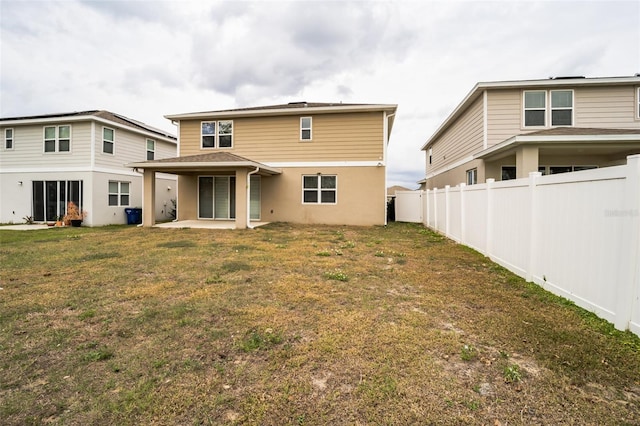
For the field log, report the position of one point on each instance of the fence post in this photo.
(463, 226)
(628, 290)
(447, 210)
(533, 224)
(489, 226)
(435, 209)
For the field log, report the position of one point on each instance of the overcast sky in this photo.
(145, 59)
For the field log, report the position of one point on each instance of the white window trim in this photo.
(524, 109)
(104, 140)
(473, 173)
(217, 137)
(56, 139)
(572, 108)
(310, 129)
(319, 190)
(118, 194)
(202, 135)
(637, 103)
(12, 138)
(147, 150)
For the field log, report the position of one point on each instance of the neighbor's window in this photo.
(8, 138)
(208, 134)
(108, 140)
(638, 102)
(118, 193)
(430, 155)
(535, 108)
(305, 128)
(57, 138)
(151, 149)
(472, 176)
(508, 172)
(561, 107)
(319, 189)
(225, 134)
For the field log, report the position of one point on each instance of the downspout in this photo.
(384, 159)
(249, 196)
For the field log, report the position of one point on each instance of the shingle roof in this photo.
(106, 115)
(582, 131)
(212, 157)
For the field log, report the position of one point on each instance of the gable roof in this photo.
(292, 108)
(103, 115)
(481, 87)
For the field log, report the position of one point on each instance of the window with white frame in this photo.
(305, 128)
(319, 189)
(108, 140)
(638, 102)
(57, 138)
(562, 107)
(216, 134)
(151, 149)
(535, 108)
(118, 193)
(472, 176)
(8, 138)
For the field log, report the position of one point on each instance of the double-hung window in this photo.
(535, 108)
(319, 189)
(561, 107)
(151, 149)
(108, 140)
(305, 128)
(57, 138)
(472, 176)
(216, 134)
(118, 193)
(8, 138)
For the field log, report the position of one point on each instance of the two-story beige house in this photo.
(299, 162)
(507, 129)
(47, 161)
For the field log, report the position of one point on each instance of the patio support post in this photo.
(149, 198)
(241, 198)
(526, 161)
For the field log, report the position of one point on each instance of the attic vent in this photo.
(303, 103)
(566, 77)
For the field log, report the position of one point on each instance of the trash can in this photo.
(134, 216)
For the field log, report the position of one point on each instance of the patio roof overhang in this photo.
(569, 141)
(211, 162)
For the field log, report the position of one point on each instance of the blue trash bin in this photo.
(134, 216)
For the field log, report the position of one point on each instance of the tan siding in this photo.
(336, 137)
(462, 139)
(29, 152)
(504, 115)
(606, 107)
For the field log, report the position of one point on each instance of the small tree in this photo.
(73, 213)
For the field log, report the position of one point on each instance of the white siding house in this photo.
(47, 161)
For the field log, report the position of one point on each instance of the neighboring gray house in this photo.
(48, 160)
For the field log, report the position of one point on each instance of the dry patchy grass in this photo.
(300, 325)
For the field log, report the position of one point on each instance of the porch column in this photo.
(241, 199)
(148, 198)
(526, 161)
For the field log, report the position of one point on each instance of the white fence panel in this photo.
(408, 206)
(575, 234)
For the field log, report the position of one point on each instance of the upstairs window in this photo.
(535, 108)
(561, 107)
(430, 155)
(305, 128)
(108, 140)
(216, 134)
(638, 103)
(57, 138)
(8, 138)
(319, 189)
(151, 149)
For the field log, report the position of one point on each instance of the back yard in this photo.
(300, 325)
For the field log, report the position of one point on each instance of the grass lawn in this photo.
(292, 324)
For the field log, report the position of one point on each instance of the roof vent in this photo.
(567, 77)
(298, 103)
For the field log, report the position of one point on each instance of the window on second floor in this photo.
(430, 155)
(538, 114)
(561, 107)
(118, 193)
(108, 140)
(151, 149)
(57, 138)
(8, 138)
(535, 108)
(638, 102)
(222, 138)
(305, 128)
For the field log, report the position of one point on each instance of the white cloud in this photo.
(146, 59)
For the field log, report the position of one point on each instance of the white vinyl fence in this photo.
(575, 234)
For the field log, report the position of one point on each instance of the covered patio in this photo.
(189, 207)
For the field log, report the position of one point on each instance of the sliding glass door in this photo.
(217, 197)
(50, 198)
